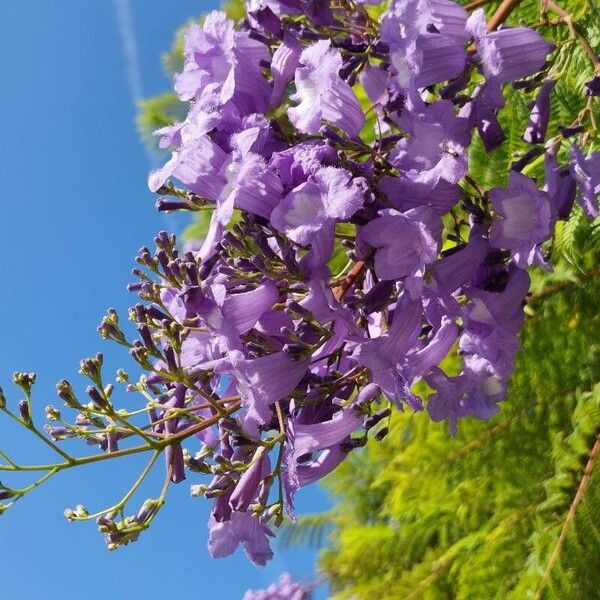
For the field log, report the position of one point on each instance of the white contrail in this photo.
(130, 49)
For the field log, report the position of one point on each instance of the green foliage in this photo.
(510, 508)
(156, 112)
(166, 109)
(571, 70)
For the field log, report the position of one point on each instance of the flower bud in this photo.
(381, 434)
(24, 412)
(24, 380)
(52, 413)
(198, 490)
(69, 514)
(272, 511)
(6, 493)
(96, 397)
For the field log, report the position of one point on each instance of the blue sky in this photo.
(75, 211)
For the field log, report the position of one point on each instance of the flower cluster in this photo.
(275, 140)
(349, 255)
(285, 589)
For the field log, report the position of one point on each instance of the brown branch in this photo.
(348, 281)
(501, 14)
(489, 433)
(476, 4)
(574, 29)
(553, 289)
(159, 445)
(585, 480)
(437, 570)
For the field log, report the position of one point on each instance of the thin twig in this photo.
(585, 480)
(348, 281)
(501, 14)
(160, 444)
(575, 30)
(553, 289)
(476, 4)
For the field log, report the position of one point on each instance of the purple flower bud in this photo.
(163, 205)
(381, 434)
(64, 391)
(146, 336)
(24, 411)
(246, 488)
(560, 185)
(175, 462)
(585, 170)
(57, 433)
(376, 418)
(96, 397)
(592, 87)
(267, 20)
(571, 131)
(540, 115)
(528, 157)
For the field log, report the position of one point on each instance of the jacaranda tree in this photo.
(380, 178)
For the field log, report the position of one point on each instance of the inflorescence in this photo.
(271, 357)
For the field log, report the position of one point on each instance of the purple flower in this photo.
(489, 343)
(560, 186)
(467, 394)
(405, 193)
(209, 56)
(322, 95)
(383, 355)
(231, 315)
(455, 270)
(525, 219)
(303, 461)
(285, 589)
(420, 57)
(430, 352)
(286, 60)
(405, 242)
(331, 194)
(219, 60)
(321, 249)
(247, 487)
(429, 59)
(540, 115)
(585, 170)
(482, 111)
(492, 321)
(296, 164)
(249, 185)
(508, 54)
(240, 528)
(195, 166)
(435, 150)
(263, 381)
(447, 403)
(242, 179)
(316, 436)
(306, 473)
